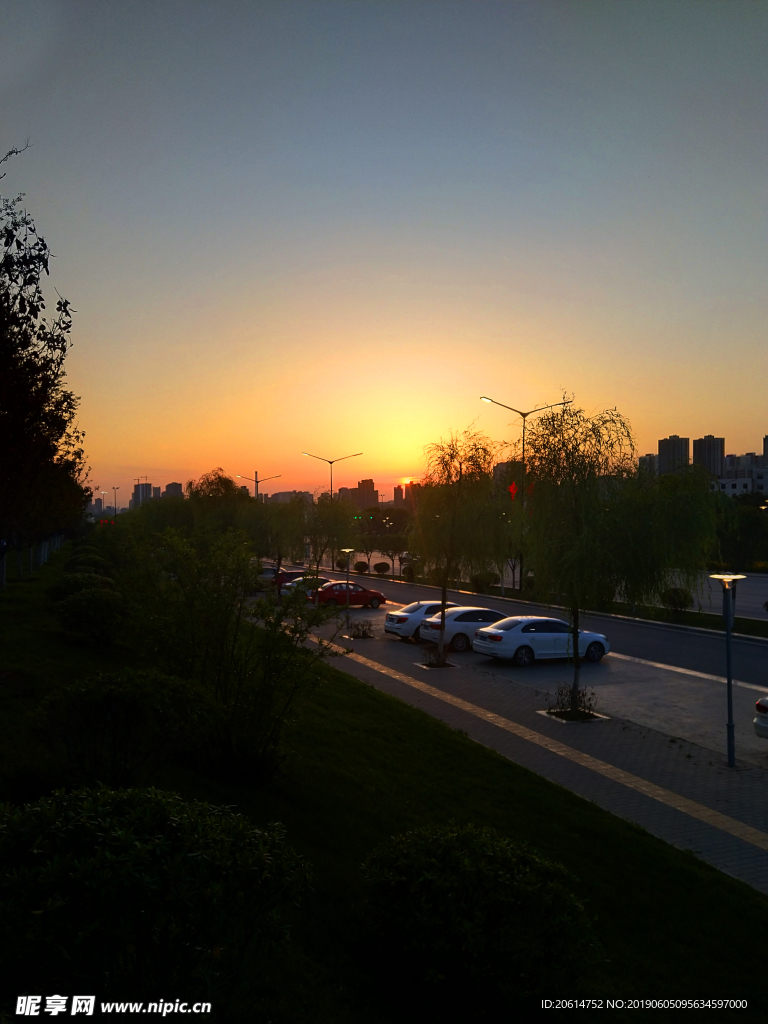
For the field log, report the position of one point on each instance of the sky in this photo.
(332, 226)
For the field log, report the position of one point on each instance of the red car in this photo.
(336, 593)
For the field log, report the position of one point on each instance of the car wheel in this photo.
(595, 651)
(416, 635)
(523, 657)
(374, 602)
(460, 643)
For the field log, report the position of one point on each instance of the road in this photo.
(655, 676)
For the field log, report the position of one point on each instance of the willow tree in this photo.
(597, 528)
(446, 532)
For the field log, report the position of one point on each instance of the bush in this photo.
(481, 581)
(381, 568)
(117, 727)
(88, 563)
(93, 616)
(467, 904)
(361, 567)
(677, 599)
(138, 891)
(73, 582)
(341, 564)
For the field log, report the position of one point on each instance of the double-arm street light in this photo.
(255, 480)
(331, 462)
(524, 415)
(115, 489)
(729, 581)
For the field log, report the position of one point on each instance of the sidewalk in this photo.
(677, 790)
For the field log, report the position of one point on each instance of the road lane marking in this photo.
(692, 808)
(688, 672)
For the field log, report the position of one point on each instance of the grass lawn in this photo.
(364, 766)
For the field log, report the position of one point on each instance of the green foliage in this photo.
(381, 568)
(92, 615)
(470, 905)
(361, 567)
(138, 891)
(42, 464)
(88, 562)
(677, 599)
(74, 582)
(190, 614)
(117, 728)
(483, 581)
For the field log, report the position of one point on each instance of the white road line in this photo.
(688, 672)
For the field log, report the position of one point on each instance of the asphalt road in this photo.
(699, 651)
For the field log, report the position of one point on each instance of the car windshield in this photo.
(509, 623)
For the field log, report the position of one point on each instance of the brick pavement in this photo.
(682, 768)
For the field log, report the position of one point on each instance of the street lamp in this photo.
(102, 493)
(255, 480)
(525, 416)
(729, 581)
(115, 489)
(331, 462)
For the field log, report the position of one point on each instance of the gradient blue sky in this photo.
(332, 226)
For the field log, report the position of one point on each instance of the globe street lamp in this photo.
(729, 581)
(525, 416)
(255, 480)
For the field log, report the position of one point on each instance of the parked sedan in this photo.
(760, 721)
(336, 593)
(406, 621)
(308, 583)
(461, 623)
(524, 638)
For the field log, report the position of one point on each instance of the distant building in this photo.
(246, 489)
(648, 464)
(363, 496)
(173, 491)
(709, 453)
(399, 498)
(98, 505)
(155, 492)
(283, 497)
(412, 495)
(141, 493)
(506, 473)
(674, 454)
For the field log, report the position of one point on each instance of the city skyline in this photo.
(266, 212)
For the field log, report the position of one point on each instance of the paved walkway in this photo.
(678, 790)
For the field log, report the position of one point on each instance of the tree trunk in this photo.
(576, 661)
(441, 637)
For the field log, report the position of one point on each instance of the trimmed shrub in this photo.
(361, 567)
(341, 564)
(481, 581)
(117, 727)
(381, 568)
(677, 599)
(138, 891)
(88, 563)
(73, 582)
(93, 616)
(467, 904)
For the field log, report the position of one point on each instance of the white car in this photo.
(308, 583)
(461, 623)
(524, 638)
(761, 718)
(406, 621)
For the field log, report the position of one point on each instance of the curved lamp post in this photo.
(525, 416)
(347, 552)
(729, 581)
(331, 462)
(255, 480)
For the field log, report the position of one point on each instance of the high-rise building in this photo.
(709, 453)
(155, 492)
(648, 463)
(245, 488)
(174, 490)
(674, 454)
(283, 497)
(399, 500)
(412, 494)
(364, 495)
(141, 493)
